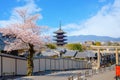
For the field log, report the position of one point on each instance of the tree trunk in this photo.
(30, 64)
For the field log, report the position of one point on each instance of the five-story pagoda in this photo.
(60, 37)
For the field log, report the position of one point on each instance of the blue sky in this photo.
(78, 17)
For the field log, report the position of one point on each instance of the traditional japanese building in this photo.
(60, 37)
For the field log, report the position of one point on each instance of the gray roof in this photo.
(70, 53)
(85, 54)
(50, 53)
(59, 31)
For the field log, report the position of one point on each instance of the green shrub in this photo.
(74, 46)
(51, 46)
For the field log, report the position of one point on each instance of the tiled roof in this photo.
(50, 52)
(60, 31)
(70, 53)
(85, 54)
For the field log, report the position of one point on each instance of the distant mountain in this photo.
(82, 38)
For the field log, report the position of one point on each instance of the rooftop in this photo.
(60, 31)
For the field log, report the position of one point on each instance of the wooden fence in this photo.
(14, 65)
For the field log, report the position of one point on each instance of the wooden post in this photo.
(116, 56)
(98, 59)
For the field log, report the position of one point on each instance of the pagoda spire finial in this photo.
(60, 25)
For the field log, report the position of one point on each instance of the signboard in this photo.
(117, 70)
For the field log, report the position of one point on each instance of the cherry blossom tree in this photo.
(26, 34)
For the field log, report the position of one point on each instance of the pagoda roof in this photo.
(59, 31)
(60, 39)
(60, 36)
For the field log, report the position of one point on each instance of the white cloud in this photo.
(30, 6)
(105, 23)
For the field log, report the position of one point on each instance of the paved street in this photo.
(109, 75)
(63, 75)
